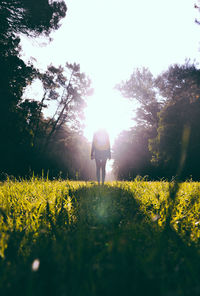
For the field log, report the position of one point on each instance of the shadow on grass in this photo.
(109, 248)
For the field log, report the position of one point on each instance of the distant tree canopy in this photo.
(165, 140)
(29, 141)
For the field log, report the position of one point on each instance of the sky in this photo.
(109, 39)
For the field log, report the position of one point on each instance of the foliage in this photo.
(29, 141)
(31, 18)
(131, 152)
(67, 155)
(68, 87)
(164, 141)
(180, 85)
(61, 237)
(58, 145)
(140, 88)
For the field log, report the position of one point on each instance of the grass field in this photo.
(77, 238)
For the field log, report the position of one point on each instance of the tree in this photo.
(131, 153)
(32, 18)
(165, 140)
(67, 156)
(176, 147)
(68, 87)
(140, 88)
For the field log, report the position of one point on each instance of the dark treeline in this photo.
(30, 141)
(165, 140)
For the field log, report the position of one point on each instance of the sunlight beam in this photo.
(107, 109)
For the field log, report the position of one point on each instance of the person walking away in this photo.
(101, 152)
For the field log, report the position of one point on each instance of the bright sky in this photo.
(109, 38)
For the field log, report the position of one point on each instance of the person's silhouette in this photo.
(101, 152)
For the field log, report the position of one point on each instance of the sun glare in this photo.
(107, 109)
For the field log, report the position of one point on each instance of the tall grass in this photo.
(77, 238)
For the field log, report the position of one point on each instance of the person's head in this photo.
(101, 139)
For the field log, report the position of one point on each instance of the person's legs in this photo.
(98, 166)
(103, 167)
